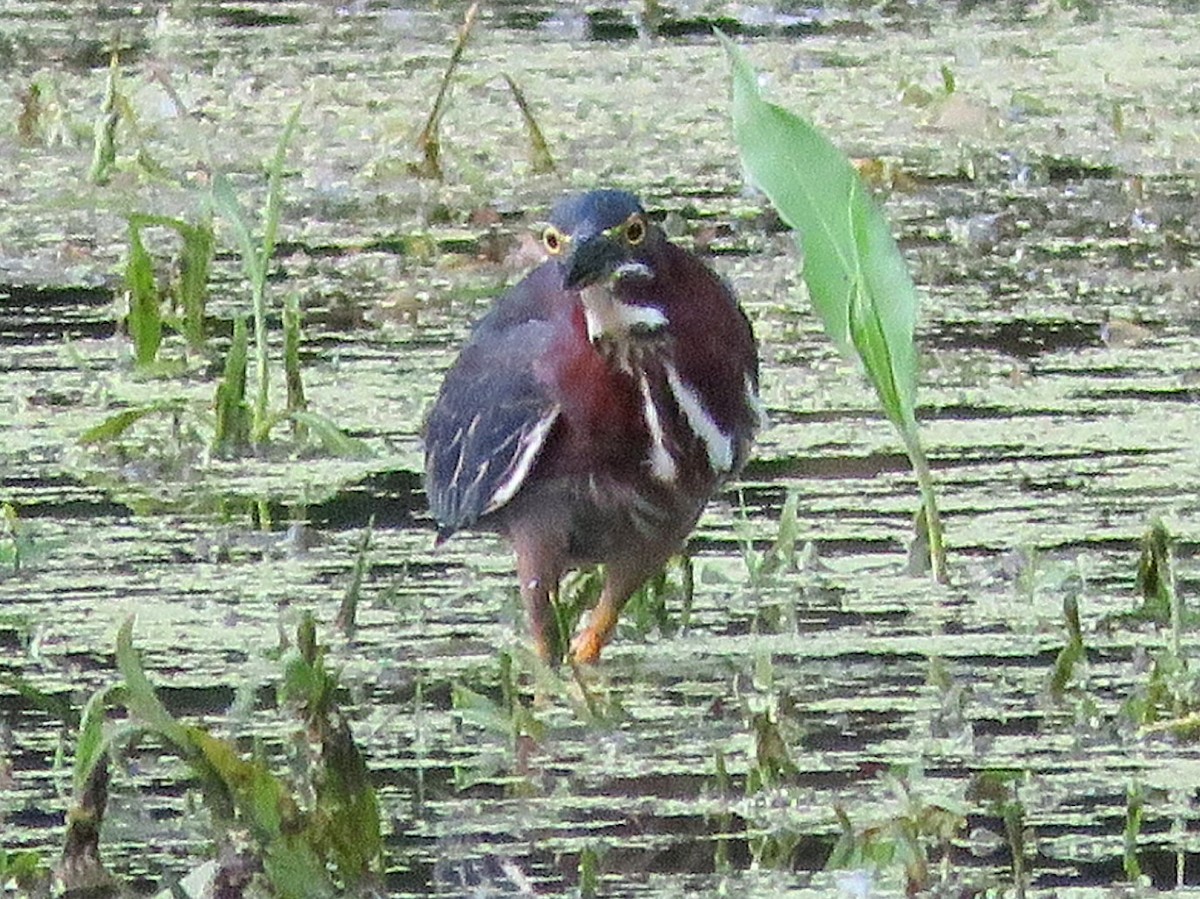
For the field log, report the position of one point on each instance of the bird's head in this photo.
(604, 245)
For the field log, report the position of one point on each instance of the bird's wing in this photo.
(488, 426)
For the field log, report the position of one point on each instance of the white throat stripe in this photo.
(718, 445)
(662, 465)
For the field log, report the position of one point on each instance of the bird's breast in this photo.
(628, 410)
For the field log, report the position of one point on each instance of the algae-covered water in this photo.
(1039, 165)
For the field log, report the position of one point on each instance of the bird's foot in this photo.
(585, 648)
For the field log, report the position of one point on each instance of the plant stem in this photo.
(265, 252)
(933, 521)
(262, 392)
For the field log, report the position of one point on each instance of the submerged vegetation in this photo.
(787, 710)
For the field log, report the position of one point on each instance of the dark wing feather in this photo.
(492, 416)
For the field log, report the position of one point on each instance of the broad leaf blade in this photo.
(856, 277)
(858, 281)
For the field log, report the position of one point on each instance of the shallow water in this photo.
(1047, 208)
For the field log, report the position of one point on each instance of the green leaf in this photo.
(1134, 807)
(294, 867)
(347, 803)
(91, 745)
(199, 248)
(480, 710)
(23, 870)
(292, 334)
(948, 82)
(56, 705)
(226, 202)
(1155, 580)
(859, 284)
(144, 319)
(332, 439)
(104, 132)
(274, 186)
(196, 257)
(232, 433)
(1073, 653)
(140, 698)
(116, 425)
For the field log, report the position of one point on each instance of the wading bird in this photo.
(594, 411)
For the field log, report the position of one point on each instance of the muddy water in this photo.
(1047, 207)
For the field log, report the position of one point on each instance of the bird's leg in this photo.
(620, 582)
(538, 571)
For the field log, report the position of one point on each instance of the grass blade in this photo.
(427, 141)
(293, 380)
(275, 187)
(116, 425)
(332, 439)
(232, 433)
(199, 247)
(540, 159)
(140, 697)
(104, 137)
(227, 204)
(144, 318)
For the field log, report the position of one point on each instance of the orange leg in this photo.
(620, 582)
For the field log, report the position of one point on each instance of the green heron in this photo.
(594, 411)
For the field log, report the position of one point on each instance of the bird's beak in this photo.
(592, 260)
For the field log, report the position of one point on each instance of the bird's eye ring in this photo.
(552, 239)
(635, 231)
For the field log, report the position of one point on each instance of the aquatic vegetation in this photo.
(348, 610)
(186, 295)
(234, 423)
(104, 145)
(648, 610)
(541, 161)
(1161, 602)
(1169, 699)
(1049, 435)
(1073, 653)
(914, 841)
(313, 833)
(256, 259)
(856, 278)
(1135, 804)
(781, 556)
(996, 791)
(589, 872)
(429, 141)
(238, 426)
(22, 871)
(15, 541)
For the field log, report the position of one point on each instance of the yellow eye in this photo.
(553, 240)
(635, 231)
